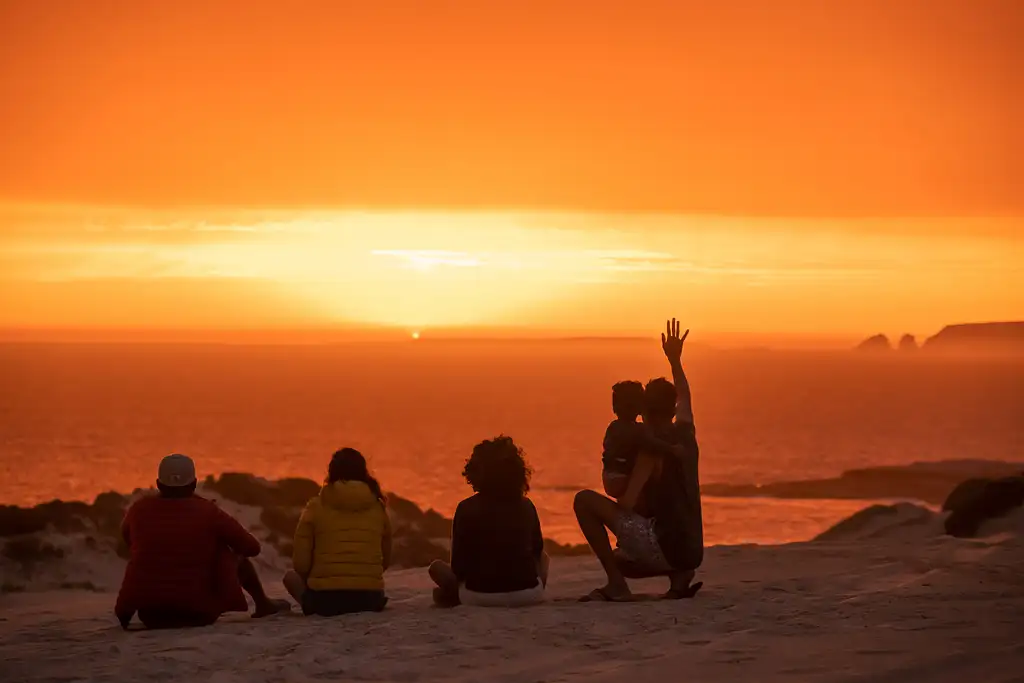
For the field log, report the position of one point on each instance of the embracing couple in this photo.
(650, 477)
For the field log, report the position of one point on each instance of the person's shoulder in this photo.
(469, 504)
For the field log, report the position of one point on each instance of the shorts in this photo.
(523, 598)
(334, 603)
(638, 542)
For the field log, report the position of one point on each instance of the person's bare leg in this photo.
(447, 592)
(295, 585)
(252, 585)
(543, 566)
(595, 515)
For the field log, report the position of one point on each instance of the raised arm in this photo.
(672, 345)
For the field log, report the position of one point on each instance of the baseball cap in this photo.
(176, 470)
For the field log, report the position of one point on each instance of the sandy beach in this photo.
(890, 600)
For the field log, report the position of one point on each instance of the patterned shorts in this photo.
(638, 543)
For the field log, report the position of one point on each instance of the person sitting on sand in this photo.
(669, 542)
(189, 559)
(342, 543)
(625, 437)
(497, 552)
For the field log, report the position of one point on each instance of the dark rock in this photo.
(908, 343)
(979, 501)
(965, 492)
(414, 551)
(556, 549)
(245, 489)
(435, 525)
(61, 516)
(930, 482)
(879, 342)
(403, 508)
(296, 492)
(28, 551)
(280, 521)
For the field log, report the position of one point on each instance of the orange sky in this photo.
(782, 167)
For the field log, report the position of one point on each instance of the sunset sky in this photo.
(760, 168)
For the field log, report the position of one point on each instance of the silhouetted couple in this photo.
(650, 475)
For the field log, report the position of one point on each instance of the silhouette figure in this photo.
(497, 554)
(669, 540)
(188, 559)
(625, 437)
(342, 543)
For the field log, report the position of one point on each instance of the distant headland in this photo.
(991, 337)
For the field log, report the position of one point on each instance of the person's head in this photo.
(659, 401)
(176, 477)
(628, 400)
(348, 464)
(498, 469)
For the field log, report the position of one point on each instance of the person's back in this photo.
(674, 496)
(177, 557)
(338, 540)
(497, 544)
(621, 443)
(498, 557)
(342, 542)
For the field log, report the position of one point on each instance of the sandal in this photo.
(602, 595)
(683, 593)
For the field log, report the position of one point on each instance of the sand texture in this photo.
(887, 599)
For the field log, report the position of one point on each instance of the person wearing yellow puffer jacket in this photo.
(342, 543)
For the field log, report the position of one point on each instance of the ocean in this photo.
(80, 419)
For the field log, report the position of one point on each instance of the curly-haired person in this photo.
(497, 554)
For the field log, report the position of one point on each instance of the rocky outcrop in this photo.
(908, 343)
(875, 344)
(999, 337)
(928, 482)
(976, 501)
(73, 538)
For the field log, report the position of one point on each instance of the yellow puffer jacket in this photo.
(338, 540)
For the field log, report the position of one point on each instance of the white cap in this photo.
(176, 470)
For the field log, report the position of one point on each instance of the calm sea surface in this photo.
(76, 420)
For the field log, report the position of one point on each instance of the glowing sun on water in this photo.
(415, 335)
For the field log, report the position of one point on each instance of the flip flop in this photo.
(280, 607)
(602, 595)
(681, 594)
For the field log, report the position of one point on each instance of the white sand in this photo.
(893, 601)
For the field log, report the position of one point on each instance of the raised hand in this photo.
(672, 342)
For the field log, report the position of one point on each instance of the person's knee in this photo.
(440, 572)
(584, 501)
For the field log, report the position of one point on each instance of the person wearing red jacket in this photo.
(189, 560)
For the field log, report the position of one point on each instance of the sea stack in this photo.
(875, 344)
(908, 343)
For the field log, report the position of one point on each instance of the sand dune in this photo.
(887, 598)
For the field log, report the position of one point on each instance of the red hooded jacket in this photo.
(184, 557)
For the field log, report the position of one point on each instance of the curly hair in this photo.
(498, 469)
(348, 464)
